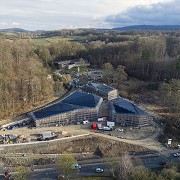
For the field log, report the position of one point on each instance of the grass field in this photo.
(50, 40)
(77, 38)
(57, 39)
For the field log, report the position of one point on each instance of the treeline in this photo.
(25, 66)
(140, 173)
(23, 79)
(147, 58)
(170, 95)
(146, 55)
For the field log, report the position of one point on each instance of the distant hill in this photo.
(19, 30)
(149, 27)
(13, 30)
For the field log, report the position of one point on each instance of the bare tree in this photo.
(21, 173)
(126, 166)
(64, 165)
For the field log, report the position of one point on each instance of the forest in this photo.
(25, 66)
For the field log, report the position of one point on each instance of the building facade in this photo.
(102, 90)
(68, 64)
(76, 107)
(125, 113)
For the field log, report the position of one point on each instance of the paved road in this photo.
(51, 173)
(152, 161)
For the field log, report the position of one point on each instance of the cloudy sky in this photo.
(58, 14)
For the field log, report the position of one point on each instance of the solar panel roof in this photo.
(101, 87)
(125, 107)
(76, 100)
(53, 110)
(82, 99)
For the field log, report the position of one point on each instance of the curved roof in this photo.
(53, 110)
(82, 99)
(123, 106)
(76, 100)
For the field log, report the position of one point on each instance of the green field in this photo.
(78, 38)
(50, 40)
(58, 38)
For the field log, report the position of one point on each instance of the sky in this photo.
(59, 14)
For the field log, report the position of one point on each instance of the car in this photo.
(162, 163)
(121, 137)
(176, 154)
(99, 170)
(75, 166)
(60, 176)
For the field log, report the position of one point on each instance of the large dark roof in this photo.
(100, 87)
(76, 100)
(53, 110)
(82, 99)
(123, 106)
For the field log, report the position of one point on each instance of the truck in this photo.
(110, 124)
(47, 135)
(99, 126)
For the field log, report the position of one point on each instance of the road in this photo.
(151, 161)
(149, 144)
(51, 173)
(41, 142)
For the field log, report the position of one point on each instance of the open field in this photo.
(42, 41)
(50, 40)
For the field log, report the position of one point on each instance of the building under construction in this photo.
(76, 107)
(125, 113)
(102, 90)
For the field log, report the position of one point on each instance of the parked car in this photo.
(120, 130)
(176, 154)
(99, 170)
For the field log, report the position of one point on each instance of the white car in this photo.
(99, 170)
(75, 166)
(176, 154)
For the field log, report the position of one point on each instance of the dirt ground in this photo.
(134, 134)
(145, 133)
(84, 146)
(128, 132)
(28, 132)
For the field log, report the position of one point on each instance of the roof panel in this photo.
(76, 100)
(101, 87)
(53, 110)
(123, 106)
(82, 99)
